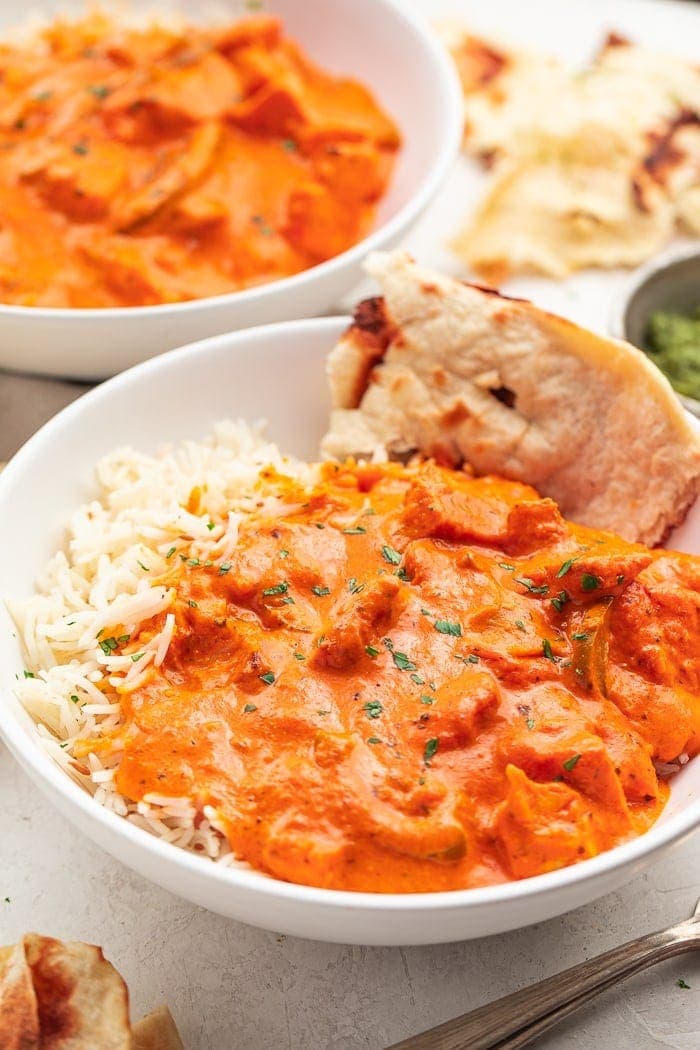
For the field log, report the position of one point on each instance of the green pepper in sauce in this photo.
(673, 344)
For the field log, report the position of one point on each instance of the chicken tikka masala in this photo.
(409, 679)
(156, 163)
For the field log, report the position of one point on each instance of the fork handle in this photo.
(515, 1020)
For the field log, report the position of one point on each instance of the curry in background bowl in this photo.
(414, 83)
(145, 163)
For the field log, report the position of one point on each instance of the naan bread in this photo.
(602, 178)
(462, 374)
(64, 995)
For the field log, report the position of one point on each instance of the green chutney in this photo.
(673, 344)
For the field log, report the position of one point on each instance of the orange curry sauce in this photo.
(414, 680)
(161, 164)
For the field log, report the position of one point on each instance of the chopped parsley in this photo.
(248, 708)
(299, 656)
(108, 645)
(319, 525)
(570, 763)
(530, 723)
(402, 661)
(262, 224)
(448, 627)
(81, 149)
(268, 678)
(417, 679)
(506, 566)
(123, 639)
(426, 699)
(279, 588)
(373, 740)
(680, 982)
(355, 530)
(321, 591)
(430, 749)
(589, 582)
(192, 603)
(547, 650)
(565, 567)
(373, 709)
(391, 555)
(560, 600)
(580, 636)
(135, 657)
(170, 552)
(74, 696)
(520, 625)
(531, 586)
(288, 600)
(29, 674)
(284, 554)
(42, 96)
(192, 562)
(142, 566)
(289, 145)
(211, 526)
(99, 90)
(371, 651)
(224, 568)
(354, 587)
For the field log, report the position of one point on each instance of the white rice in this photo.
(106, 576)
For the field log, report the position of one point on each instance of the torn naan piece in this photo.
(64, 995)
(459, 373)
(602, 178)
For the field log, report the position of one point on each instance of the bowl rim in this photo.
(30, 756)
(446, 80)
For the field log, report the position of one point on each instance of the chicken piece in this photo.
(542, 827)
(359, 620)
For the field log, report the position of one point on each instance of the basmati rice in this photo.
(118, 546)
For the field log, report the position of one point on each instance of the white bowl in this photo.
(275, 372)
(381, 43)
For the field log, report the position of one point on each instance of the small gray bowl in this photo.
(670, 282)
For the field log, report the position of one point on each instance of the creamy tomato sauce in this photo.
(406, 679)
(161, 164)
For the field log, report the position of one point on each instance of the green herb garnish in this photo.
(589, 582)
(391, 555)
(430, 749)
(279, 588)
(448, 627)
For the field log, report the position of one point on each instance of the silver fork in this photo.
(517, 1019)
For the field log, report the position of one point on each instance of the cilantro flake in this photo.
(391, 555)
(448, 627)
(430, 749)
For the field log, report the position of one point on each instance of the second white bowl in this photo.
(380, 43)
